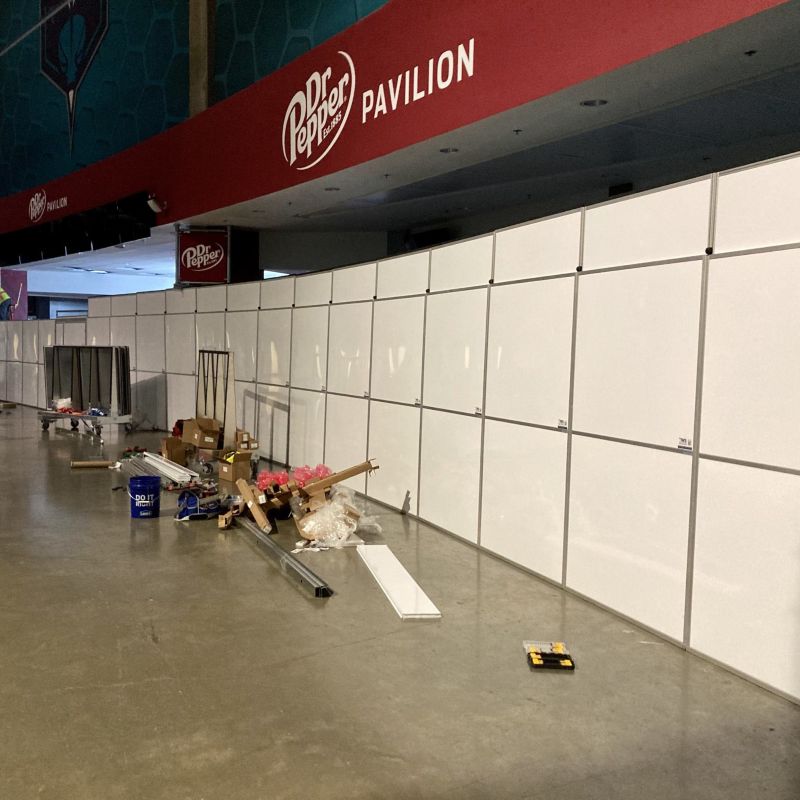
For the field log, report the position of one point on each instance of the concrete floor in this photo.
(147, 659)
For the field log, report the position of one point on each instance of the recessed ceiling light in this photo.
(597, 101)
(448, 150)
(99, 271)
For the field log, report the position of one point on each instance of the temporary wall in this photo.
(605, 397)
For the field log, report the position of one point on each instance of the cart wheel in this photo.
(74, 424)
(206, 468)
(128, 427)
(45, 424)
(98, 429)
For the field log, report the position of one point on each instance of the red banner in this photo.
(203, 257)
(406, 73)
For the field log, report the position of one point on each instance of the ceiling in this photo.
(720, 101)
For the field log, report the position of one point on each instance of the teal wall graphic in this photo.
(256, 37)
(137, 84)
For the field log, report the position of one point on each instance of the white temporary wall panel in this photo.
(14, 381)
(244, 296)
(41, 393)
(313, 290)
(99, 306)
(455, 345)
(636, 353)
(546, 247)
(210, 332)
(241, 339)
(3, 382)
(59, 333)
(277, 293)
(747, 572)
(75, 332)
(306, 427)
(14, 344)
(530, 349)
(30, 385)
(246, 401)
(751, 380)
(310, 347)
(151, 303)
(346, 436)
(530, 530)
(397, 350)
(98, 331)
(181, 397)
(274, 346)
(463, 264)
(272, 429)
(30, 341)
(349, 349)
(668, 223)
(212, 298)
(354, 283)
(757, 206)
(628, 530)
(123, 305)
(181, 301)
(47, 337)
(4, 329)
(150, 343)
(450, 472)
(404, 275)
(394, 444)
(149, 390)
(123, 334)
(180, 344)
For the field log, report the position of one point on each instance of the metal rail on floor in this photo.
(289, 565)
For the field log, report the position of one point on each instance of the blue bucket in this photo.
(145, 494)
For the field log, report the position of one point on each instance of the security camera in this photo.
(156, 205)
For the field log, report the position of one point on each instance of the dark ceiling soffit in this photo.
(123, 220)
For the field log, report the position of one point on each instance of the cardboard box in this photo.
(174, 449)
(240, 468)
(242, 437)
(202, 432)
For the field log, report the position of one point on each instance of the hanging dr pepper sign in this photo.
(203, 257)
(70, 41)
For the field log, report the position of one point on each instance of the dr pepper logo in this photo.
(201, 257)
(317, 113)
(37, 206)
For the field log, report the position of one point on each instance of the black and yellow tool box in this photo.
(548, 655)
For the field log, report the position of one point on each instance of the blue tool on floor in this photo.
(192, 507)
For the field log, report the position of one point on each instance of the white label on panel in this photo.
(463, 264)
(668, 223)
(546, 247)
(404, 275)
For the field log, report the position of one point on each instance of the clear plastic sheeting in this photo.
(336, 521)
